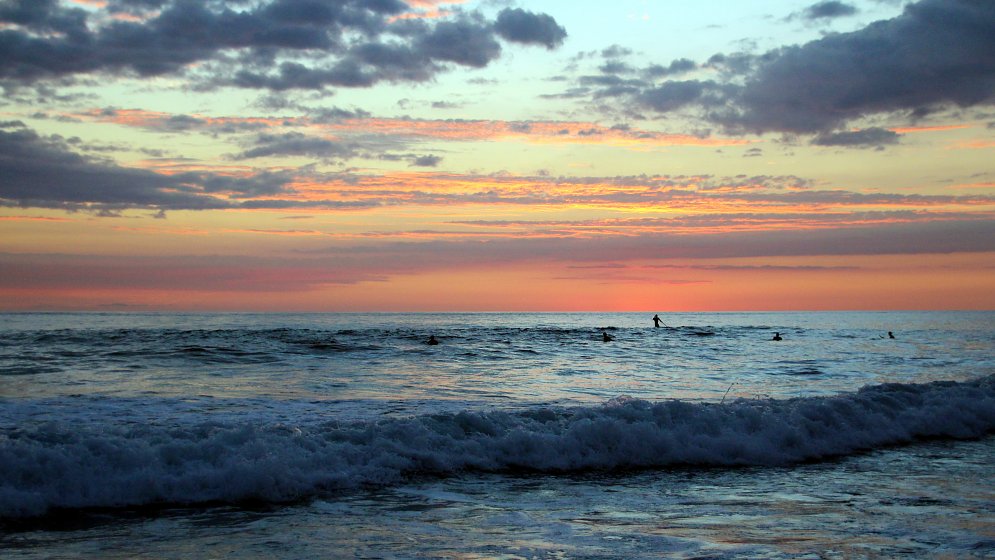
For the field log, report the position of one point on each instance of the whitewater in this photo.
(520, 435)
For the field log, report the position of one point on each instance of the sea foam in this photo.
(61, 465)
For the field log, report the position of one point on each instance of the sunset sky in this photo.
(382, 155)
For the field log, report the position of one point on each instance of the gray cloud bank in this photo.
(48, 172)
(936, 55)
(271, 44)
(44, 172)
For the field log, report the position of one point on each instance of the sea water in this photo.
(520, 435)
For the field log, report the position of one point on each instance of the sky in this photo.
(550, 155)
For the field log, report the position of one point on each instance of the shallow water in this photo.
(521, 435)
(942, 506)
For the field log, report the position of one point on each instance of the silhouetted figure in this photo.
(432, 341)
(605, 337)
(656, 321)
(890, 335)
(777, 336)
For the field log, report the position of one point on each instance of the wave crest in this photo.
(59, 466)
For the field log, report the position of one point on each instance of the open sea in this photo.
(520, 435)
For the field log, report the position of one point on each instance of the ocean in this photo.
(520, 435)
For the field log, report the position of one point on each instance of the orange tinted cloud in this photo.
(140, 118)
(572, 132)
(427, 9)
(32, 219)
(454, 130)
(686, 194)
(914, 129)
(974, 145)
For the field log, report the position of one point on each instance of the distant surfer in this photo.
(605, 337)
(656, 321)
(890, 335)
(777, 336)
(431, 340)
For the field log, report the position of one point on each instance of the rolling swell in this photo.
(67, 466)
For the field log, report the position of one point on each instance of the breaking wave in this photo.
(58, 466)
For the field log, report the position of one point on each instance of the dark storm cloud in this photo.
(44, 172)
(519, 26)
(272, 44)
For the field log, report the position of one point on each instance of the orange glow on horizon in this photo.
(803, 283)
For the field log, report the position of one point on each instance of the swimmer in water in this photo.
(890, 335)
(777, 336)
(432, 341)
(605, 337)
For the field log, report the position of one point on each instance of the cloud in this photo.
(270, 44)
(49, 172)
(44, 172)
(671, 96)
(866, 137)
(297, 144)
(339, 263)
(828, 9)
(520, 26)
(937, 54)
(176, 273)
(371, 134)
(880, 239)
(426, 161)
(748, 267)
(679, 66)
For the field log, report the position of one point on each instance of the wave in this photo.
(60, 466)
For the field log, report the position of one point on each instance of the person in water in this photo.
(605, 337)
(777, 336)
(656, 321)
(432, 341)
(890, 335)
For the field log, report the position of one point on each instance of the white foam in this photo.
(107, 464)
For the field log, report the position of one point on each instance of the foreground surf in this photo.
(62, 465)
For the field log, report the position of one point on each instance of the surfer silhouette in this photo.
(777, 336)
(432, 341)
(890, 335)
(656, 321)
(605, 337)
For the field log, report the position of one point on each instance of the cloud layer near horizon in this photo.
(46, 172)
